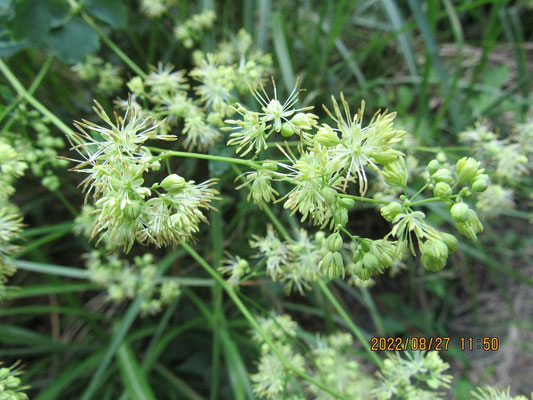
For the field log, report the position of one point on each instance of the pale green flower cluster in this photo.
(511, 159)
(217, 79)
(329, 159)
(104, 74)
(491, 393)
(10, 227)
(236, 268)
(30, 139)
(115, 159)
(417, 376)
(155, 8)
(126, 281)
(11, 168)
(293, 262)
(10, 388)
(190, 31)
(332, 360)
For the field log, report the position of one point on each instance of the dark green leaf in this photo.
(74, 41)
(32, 20)
(112, 12)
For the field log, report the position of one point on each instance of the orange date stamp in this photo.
(433, 343)
(409, 343)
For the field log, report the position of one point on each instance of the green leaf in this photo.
(32, 20)
(112, 12)
(9, 48)
(74, 41)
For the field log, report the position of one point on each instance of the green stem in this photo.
(375, 201)
(128, 61)
(248, 163)
(323, 287)
(251, 320)
(356, 331)
(13, 81)
(425, 201)
(33, 87)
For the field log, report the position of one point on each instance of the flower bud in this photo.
(341, 216)
(173, 183)
(480, 183)
(467, 168)
(304, 121)
(442, 189)
(395, 173)
(391, 211)
(347, 203)
(136, 85)
(332, 265)
(459, 212)
(370, 261)
(435, 248)
(432, 264)
(326, 136)
(443, 175)
(386, 156)
(269, 166)
(450, 241)
(433, 166)
(287, 129)
(334, 242)
(362, 272)
(471, 227)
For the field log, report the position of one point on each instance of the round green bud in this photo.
(287, 129)
(441, 157)
(450, 241)
(433, 166)
(466, 167)
(362, 272)
(173, 183)
(459, 212)
(136, 85)
(443, 175)
(334, 242)
(370, 261)
(270, 166)
(347, 202)
(480, 183)
(341, 216)
(326, 136)
(435, 248)
(433, 264)
(442, 189)
(391, 211)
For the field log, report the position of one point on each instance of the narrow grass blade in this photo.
(132, 376)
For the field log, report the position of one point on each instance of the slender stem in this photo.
(279, 226)
(212, 157)
(375, 201)
(420, 191)
(33, 87)
(323, 287)
(13, 81)
(128, 61)
(417, 203)
(356, 331)
(242, 308)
